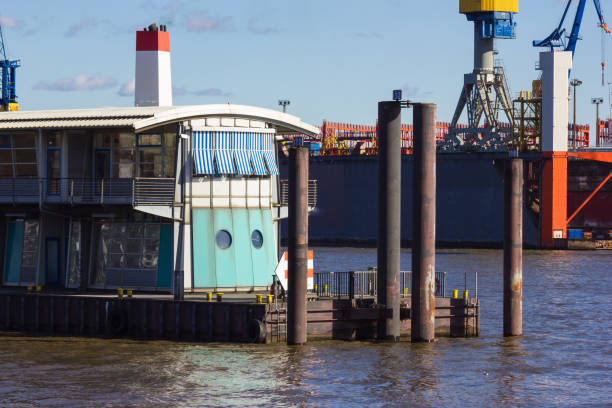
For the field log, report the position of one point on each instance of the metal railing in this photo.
(354, 284)
(313, 192)
(134, 191)
(153, 191)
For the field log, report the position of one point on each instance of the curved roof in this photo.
(144, 118)
(284, 122)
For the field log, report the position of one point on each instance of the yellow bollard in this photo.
(29, 288)
(325, 289)
(219, 297)
(39, 288)
(270, 297)
(405, 292)
(209, 296)
(129, 293)
(465, 294)
(258, 297)
(455, 294)
(315, 287)
(120, 292)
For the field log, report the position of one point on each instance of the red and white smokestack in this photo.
(153, 76)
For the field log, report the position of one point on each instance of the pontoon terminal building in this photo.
(123, 197)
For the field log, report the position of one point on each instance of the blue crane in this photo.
(557, 38)
(8, 98)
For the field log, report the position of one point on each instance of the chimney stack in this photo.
(153, 76)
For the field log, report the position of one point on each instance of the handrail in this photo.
(313, 193)
(353, 284)
(74, 191)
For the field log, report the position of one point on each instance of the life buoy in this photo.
(437, 286)
(256, 331)
(117, 321)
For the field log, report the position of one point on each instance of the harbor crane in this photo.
(557, 39)
(485, 92)
(8, 98)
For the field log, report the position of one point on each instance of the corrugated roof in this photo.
(143, 118)
(77, 118)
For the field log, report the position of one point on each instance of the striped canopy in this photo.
(268, 152)
(203, 152)
(223, 152)
(255, 150)
(241, 154)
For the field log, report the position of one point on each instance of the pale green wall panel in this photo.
(204, 268)
(225, 259)
(243, 247)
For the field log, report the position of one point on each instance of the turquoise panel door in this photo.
(204, 268)
(52, 261)
(12, 256)
(242, 248)
(225, 258)
(270, 245)
(262, 265)
(164, 265)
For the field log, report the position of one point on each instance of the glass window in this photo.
(30, 243)
(6, 170)
(149, 140)
(223, 239)
(18, 153)
(5, 140)
(26, 170)
(257, 239)
(53, 140)
(25, 156)
(6, 156)
(74, 266)
(24, 140)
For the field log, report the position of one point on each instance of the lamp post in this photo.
(575, 83)
(597, 102)
(284, 103)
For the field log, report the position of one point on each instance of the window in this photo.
(126, 245)
(18, 155)
(223, 239)
(257, 239)
(29, 252)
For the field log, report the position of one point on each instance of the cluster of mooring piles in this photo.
(388, 315)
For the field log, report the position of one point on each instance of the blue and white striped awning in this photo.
(203, 152)
(223, 153)
(241, 153)
(256, 153)
(268, 152)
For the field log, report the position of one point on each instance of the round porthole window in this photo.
(257, 239)
(224, 239)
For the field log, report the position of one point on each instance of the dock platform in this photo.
(237, 318)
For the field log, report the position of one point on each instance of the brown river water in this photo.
(564, 359)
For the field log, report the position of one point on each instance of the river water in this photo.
(564, 359)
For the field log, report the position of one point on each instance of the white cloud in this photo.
(81, 82)
(128, 88)
(199, 21)
(181, 90)
(6, 21)
(76, 28)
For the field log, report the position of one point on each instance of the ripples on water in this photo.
(564, 359)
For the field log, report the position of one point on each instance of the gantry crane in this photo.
(485, 90)
(8, 98)
(557, 38)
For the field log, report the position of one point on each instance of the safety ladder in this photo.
(278, 330)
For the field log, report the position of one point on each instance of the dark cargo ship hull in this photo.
(470, 202)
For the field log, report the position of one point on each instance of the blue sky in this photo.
(333, 59)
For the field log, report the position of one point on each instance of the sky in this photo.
(333, 59)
